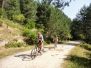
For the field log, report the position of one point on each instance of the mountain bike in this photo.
(34, 52)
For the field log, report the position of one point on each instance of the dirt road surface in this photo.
(52, 58)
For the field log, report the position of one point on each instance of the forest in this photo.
(44, 15)
(21, 20)
(48, 17)
(81, 25)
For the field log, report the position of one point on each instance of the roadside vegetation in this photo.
(20, 20)
(81, 25)
(9, 51)
(12, 33)
(80, 57)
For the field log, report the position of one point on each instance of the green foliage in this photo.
(31, 36)
(11, 8)
(0, 11)
(53, 20)
(43, 14)
(1, 22)
(40, 30)
(81, 24)
(14, 44)
(26, 32)
(19, 18)
(59, 24)
(77, 29)
(30, 24)
(82, 36)
(86, 46)
(49, 39)
(12, 24)
(28, 8)
(79, 57)
(57, 3)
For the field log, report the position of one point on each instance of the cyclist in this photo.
(55, 41)
(40, 42)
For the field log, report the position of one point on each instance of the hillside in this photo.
(9, 31)
(11, 38)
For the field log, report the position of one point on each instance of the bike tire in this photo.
(33, 53)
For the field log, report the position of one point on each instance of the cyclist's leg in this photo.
(42, 47)
(55, 44)
(39, 48)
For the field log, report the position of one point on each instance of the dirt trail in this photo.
(50, 59)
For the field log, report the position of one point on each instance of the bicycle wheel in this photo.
(34, 53)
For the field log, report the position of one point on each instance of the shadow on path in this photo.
(86, 46)
(25, 57)
(81, 61)
(28, 57)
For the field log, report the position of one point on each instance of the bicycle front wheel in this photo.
(33, 53)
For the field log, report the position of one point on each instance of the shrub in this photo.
(26, 32)
(82, 36)
(1, 23)
(11, 23)
(31, 36)
(14, 44)
(19, 18)
(49, 40)
(30, 24)
(0, 11)
(86, 46)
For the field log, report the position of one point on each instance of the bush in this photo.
(30, 24)
(82, 36)
(1, 23)
(26, 32)
(19, 18)
(31, 36)
(49, 40)
(11, 23)
(86, 46)
(14, 44)
(0, 11)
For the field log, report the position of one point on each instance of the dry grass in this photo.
(9, 29)
(9, 51)
(79, 58)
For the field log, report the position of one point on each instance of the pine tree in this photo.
(12, 8)
(43, 14)
(28, 9)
